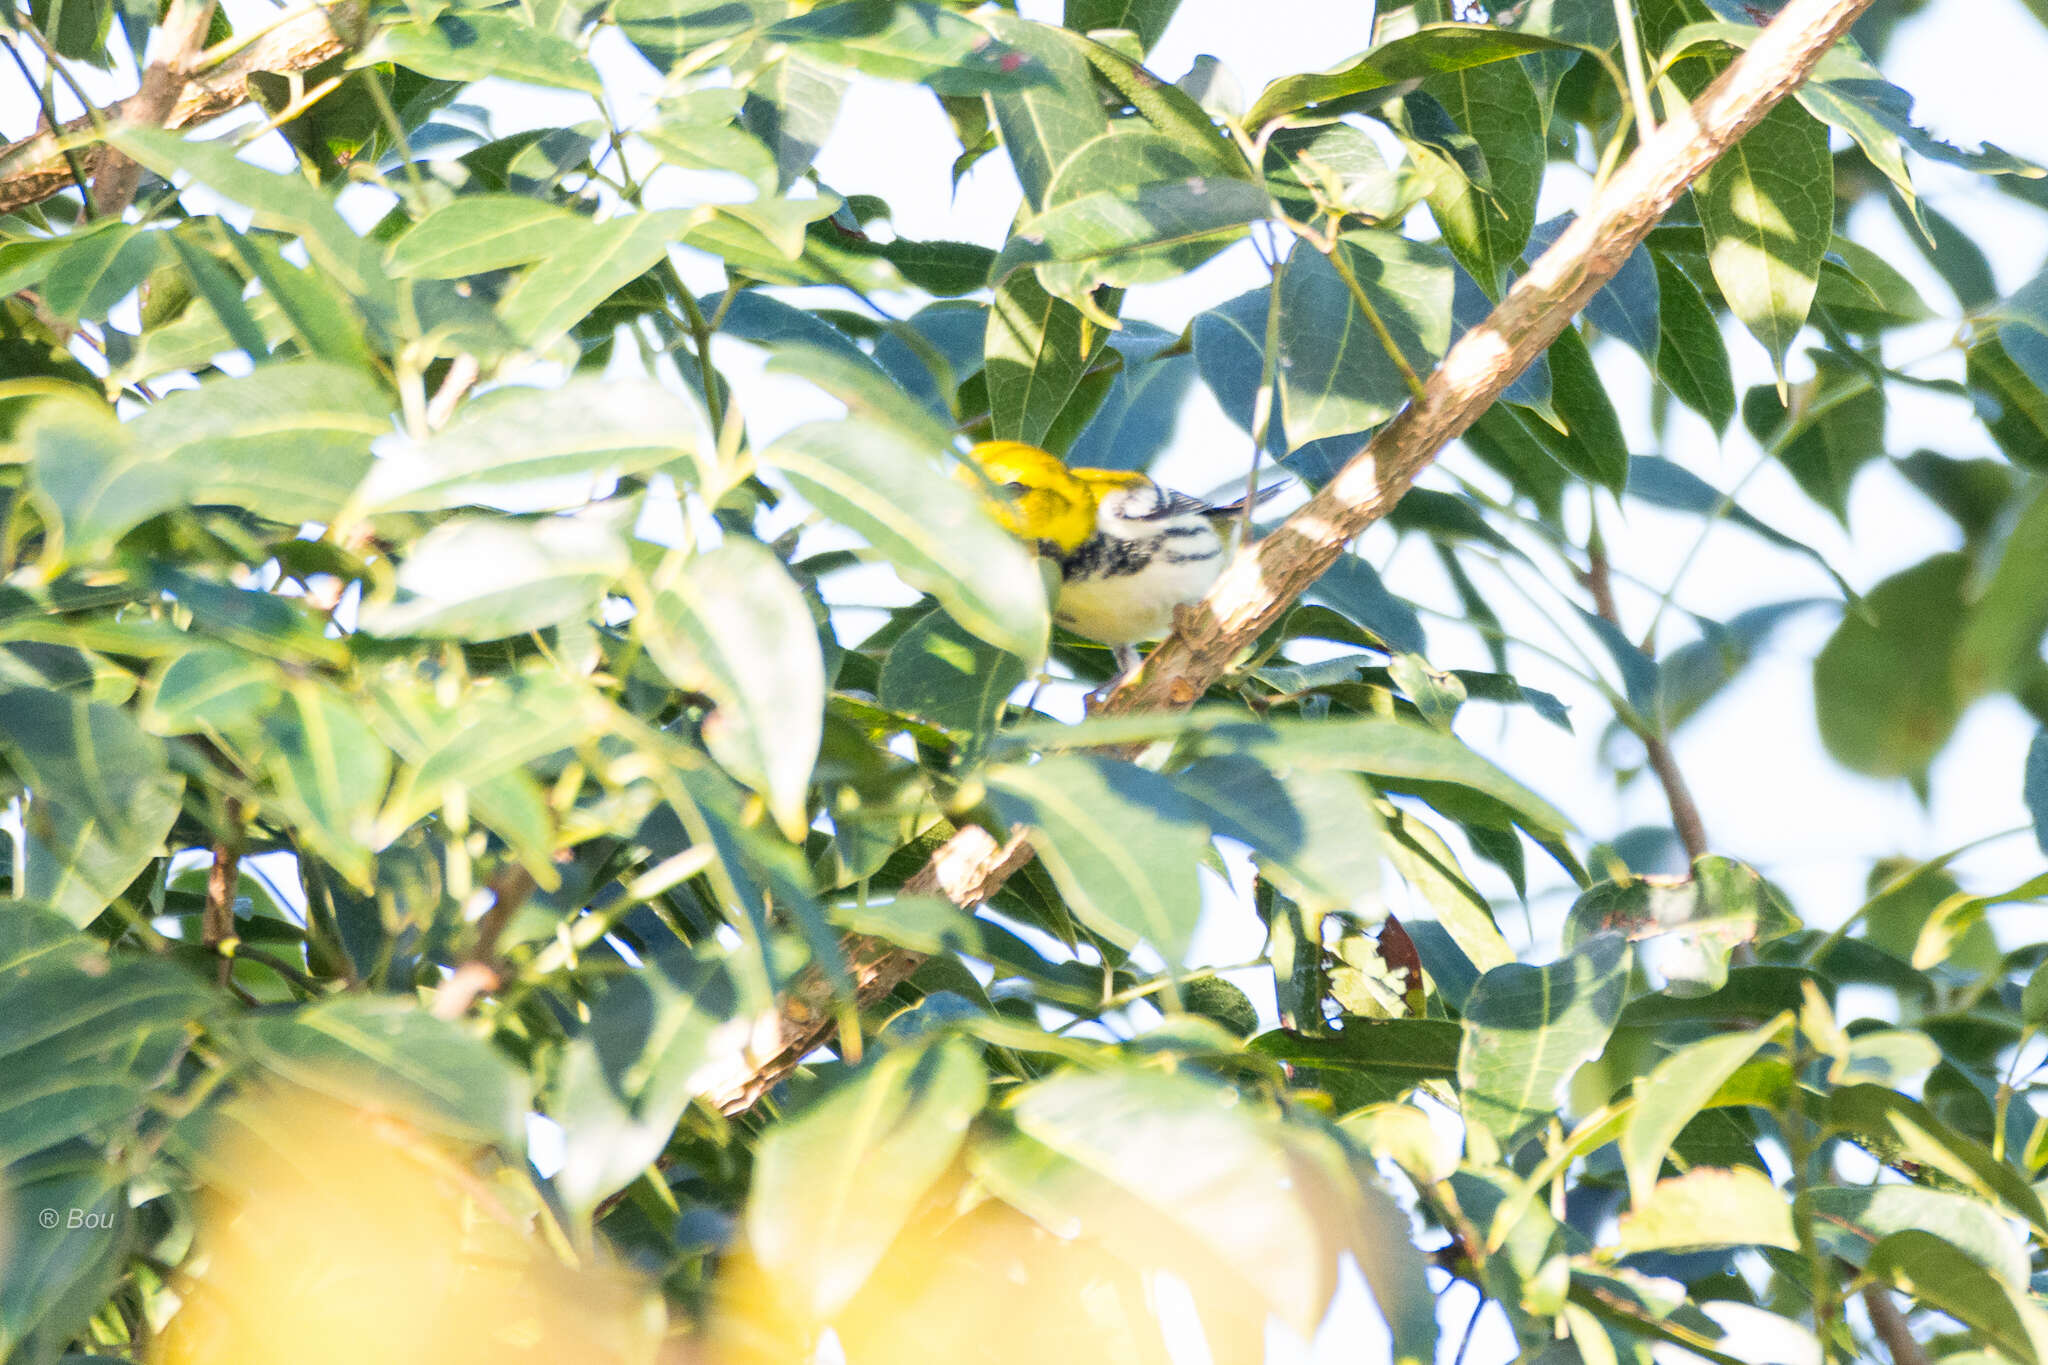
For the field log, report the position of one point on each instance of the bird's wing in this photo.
(1233, 508)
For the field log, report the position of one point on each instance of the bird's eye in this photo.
(1016, 488)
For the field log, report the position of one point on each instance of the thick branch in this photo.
(33, 169)
(1264, 579)
(1685, 812)
(180, 38)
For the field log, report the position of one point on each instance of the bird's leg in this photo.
(1127, 661)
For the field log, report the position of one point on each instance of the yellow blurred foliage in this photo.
(336, 1236)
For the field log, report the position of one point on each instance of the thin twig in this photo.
(46, 97)
(478, 973)
(217, 921)
(1890, 1325)
(1685, 812)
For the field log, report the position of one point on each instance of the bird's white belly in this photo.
(1126, 608)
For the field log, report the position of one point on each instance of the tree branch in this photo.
(1265, 578)
(180, 37)
(1685, 812)
(34, 168)
(1890, 1326)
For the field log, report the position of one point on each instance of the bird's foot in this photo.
(1127, 661)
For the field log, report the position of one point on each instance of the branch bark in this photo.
(1265, 578)
(180, 37)
(33, 168)
(1890, 1326)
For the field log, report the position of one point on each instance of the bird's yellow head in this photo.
(1035, 495)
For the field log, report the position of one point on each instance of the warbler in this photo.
(1129, 551)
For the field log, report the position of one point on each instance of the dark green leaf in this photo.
(940, 673)
(1527, 1029)
(1884, 686)
(1438, 49)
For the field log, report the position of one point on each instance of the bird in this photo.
(1129, 551)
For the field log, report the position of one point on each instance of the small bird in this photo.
(1129, 551)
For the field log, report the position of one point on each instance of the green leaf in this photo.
(932, 529)
(1437, 50)
(1663, 483)
(59, 1276)
(1039, 351)
(833, 1186)
(2001, 639)
(391, 1053)
(1674, 1093)
(1884, 685)
(906, 40)
(532, 450)
(329, 771)
(474, 45)
(2036, 787)
(665, 31)
(103, 798)
(1431, 869)
(1527, 1029)
(288, 442)
(1767, 208)
(1045, 124)
(1316, 832)
(1849, 1221)
(1146, 18)
(1121, 842)
(483, 232)
(652, 1039)
(96, 270)
(484, 578)
(212, 690)
(1407, 758)
(92, 482)
(1591, 445)
(286, 203)
(731, 623)
(1896, 1129)
(1332, 167)
(2012, 406)
(1132, 234)
(1487, 225)
(1692, 360)
(1407, 1051)
(791, 107)
(1709, 1207)
(1921, 1264)
(556, 294)
(1700, 918)
(938, 672)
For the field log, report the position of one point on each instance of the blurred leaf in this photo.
(1707, 1207)
(484, 232)
(1851, 1220)
(1146, 18)
(2001, 639)
(1698, 919)
(1767, 208)
(1409, 1051)
(1044, 125)
(1899, 1130)
(1921, 1264)
(1120, 841)
(653, 1039)
(1527, 1029)
(556, 294)
(392, 1053)
(860, 475)
(1884, 685)
(1315, 831)
(2009, 403)
(730, 622)
(2036, 787)
(214, 690)
(103, 798)
(1591, 445)
(533, 450)
(59, 1276)
(834, 1186)
(1438, 49)
(1039, 351)
(472, 45)
(940, 673)
(1674, 1093)
(1664, 483)
(791, 108)
(329, 771)
(907, 40)
(484, 578)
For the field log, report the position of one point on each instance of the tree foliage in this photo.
(430, 698)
